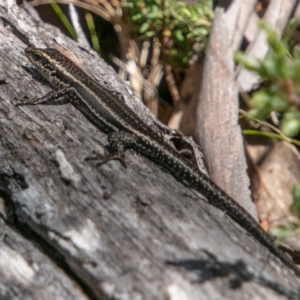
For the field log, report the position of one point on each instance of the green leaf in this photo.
(261, 113)
(185, 12)
(137, 17)
(260, 99)
(273, 40)
(296, 53)
(179, 36)
(63, 18)
(149, 34)
(247, 62)
(290, 126)
(144, 27)
(268, 68)
(283, 232)
(295, 207)
(279, 103)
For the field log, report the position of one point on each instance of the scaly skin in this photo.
(127, 130)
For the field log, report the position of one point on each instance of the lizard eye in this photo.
(37, 56)
(52, 73)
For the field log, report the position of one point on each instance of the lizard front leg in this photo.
(51, 97)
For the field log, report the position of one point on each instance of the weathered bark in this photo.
(70, 230)
(218, 129)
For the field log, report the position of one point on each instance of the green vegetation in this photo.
(181, 28)
(63, 18)
(284, 232)
(280, 71)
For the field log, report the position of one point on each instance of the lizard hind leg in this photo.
(118, 143)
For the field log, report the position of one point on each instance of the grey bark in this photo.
(218, 130)
(71, 230)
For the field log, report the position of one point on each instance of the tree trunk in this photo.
(72, 230)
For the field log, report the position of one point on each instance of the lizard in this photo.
(126, 130)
